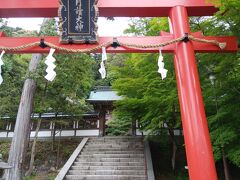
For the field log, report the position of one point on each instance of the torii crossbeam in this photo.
(198, 146)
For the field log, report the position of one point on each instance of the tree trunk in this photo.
(54, 131)
(58, 150)
(20, 138)
(174, 148)
(33, 152)
(54, 134)
(225, 166)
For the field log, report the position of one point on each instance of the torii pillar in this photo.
(200, 158)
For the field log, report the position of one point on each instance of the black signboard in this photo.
(77, 21)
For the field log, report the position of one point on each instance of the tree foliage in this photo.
(148, 99)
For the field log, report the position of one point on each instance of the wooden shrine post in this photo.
(21, 131)
(102, 122)
(198, 146)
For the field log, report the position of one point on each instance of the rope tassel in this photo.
(1, 63)
(161, 64)
(51, 74)
(222, 45)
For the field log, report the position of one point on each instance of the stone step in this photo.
(95, 159)
(106, 177)
(105, 172)
(117, 137)
(113, 146)
(111, 152)
(110, 158)
(141, 155)
(111, 149)
(102, 146)
(107, 168)
(108, 163)
(116, 140)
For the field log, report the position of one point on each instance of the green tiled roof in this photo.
(104, 94)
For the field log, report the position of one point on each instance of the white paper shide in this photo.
(161, 64)
(102, 69)
(51, 74)
(1, 63)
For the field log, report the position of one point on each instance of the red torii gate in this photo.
(198, 146)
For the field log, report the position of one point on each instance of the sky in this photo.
(105, 27)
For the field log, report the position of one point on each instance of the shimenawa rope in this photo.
(221, 45)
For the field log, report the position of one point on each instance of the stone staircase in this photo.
(110, 158)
